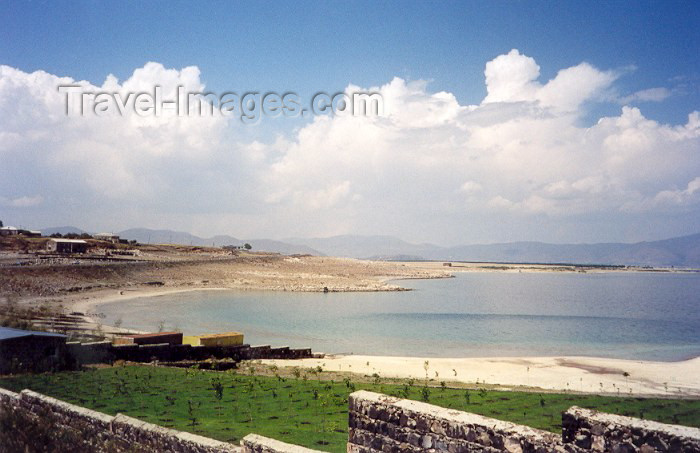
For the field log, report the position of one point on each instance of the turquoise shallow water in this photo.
(653, 316)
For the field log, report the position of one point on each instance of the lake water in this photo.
(652, 316)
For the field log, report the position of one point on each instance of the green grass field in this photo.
(303, 409)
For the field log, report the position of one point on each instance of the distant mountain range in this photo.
(61, 230)
(384, 247)
(148, 236)
(680, 252)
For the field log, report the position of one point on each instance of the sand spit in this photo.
(72, 284)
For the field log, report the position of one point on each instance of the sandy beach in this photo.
(567, 374)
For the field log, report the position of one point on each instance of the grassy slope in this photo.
(304, 411)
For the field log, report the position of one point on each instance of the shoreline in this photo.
(89, 305)
(596, 375)
(575, 374)
(504, 267)
(590, 375)
(86, 301)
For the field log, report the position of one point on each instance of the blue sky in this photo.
(311, 46)
(325, 46)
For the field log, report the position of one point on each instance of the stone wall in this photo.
(379, 423)
(252, 443)
(386, 424)
(30, 421)
(598, 431)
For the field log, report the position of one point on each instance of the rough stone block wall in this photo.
(598, 431)
(29, 421)
(157, 438)
(252, 443)
(69, 414)
(8, 399)
(379, 423)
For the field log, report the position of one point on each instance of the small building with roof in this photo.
(30, 350)
(109, 237)
(30, 233)
(66, 245)
(8, 231)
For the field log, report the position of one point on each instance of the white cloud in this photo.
(430, 168)
(668, 199)
(649, 95)
(114, 156)
(688, 195)
(471, 187)
(513, 78)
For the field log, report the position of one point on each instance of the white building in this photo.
(109, 237)
(8, 231)
(66, 246)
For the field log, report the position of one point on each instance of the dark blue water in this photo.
(652, 316)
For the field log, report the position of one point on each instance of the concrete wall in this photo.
(151, 338)
(33, 353)
(216, 339)
(72, 428)
(598, 431)
(105, 352)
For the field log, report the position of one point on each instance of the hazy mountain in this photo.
(148, 236)
(681, 251)
(365, 246)
(270, 245)
(61, 230)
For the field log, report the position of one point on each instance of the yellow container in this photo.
(215, 339)
(192, 340)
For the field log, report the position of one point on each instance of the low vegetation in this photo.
(304, 408)
(20, 317)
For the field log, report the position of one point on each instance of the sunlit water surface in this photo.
(625, 315)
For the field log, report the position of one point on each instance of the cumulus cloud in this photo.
(428, 168)
(687, 195)
(513, 78)
(668, 199)
(521, 152)
(115, 156)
